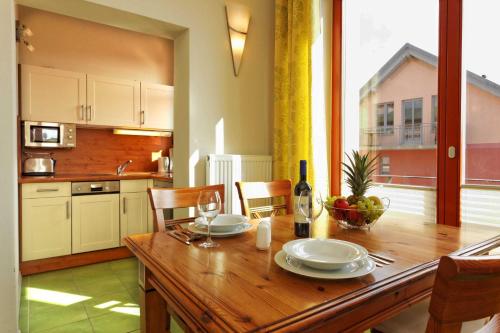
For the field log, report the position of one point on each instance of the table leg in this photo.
(154, 315)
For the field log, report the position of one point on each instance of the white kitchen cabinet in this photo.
(157, 105)
(113, 102)
(134, 212)
(52, 95)
(134, 207)
(96, 222)
(46, 227)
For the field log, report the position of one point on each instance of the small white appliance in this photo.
(49, 135)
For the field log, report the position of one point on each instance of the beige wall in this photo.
(72, 44)
(9, 271)
(207, 91)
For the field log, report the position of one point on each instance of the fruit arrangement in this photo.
(357, 211)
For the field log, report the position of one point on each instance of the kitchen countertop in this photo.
(82, 177)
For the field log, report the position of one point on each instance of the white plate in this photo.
(223, 222)
(196, 228)
(325, 254)
(365, 267)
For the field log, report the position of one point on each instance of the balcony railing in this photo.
(402, 136)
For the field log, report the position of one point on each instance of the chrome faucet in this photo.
(121, 168)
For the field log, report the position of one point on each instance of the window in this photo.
(434, 109)
(385, 165)
(434, 115)
(412, 122)
(371, 31)
(385, 117)
(412, 112)
(480, 186)
(389, 73)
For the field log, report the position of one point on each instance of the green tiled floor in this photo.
(95, 298)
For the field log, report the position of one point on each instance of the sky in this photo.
(376, 29)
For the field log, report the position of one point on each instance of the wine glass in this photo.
(312, 211)
(209, 206)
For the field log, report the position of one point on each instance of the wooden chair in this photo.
(169, 198)
(264, 190)
(466, 290)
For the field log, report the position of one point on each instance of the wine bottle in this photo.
(301, 223)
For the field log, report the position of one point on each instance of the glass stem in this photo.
(209, 236)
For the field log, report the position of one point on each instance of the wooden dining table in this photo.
(237, 288)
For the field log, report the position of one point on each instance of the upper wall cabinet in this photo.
(157, 104)
(52, 95)
(113, 102)
(69, 97)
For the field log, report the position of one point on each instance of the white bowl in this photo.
(223, 222)
(325, 254)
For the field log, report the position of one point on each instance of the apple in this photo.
(340, 205)
(352, 214)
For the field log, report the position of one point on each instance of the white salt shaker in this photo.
(263, 235)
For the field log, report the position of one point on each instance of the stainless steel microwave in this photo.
(49, 135)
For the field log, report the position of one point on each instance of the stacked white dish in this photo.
(325, 258)
(222, 226)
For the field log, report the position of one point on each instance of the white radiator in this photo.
(228, 169)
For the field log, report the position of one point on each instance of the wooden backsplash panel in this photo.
(101, 151)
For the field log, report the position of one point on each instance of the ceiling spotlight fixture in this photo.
(22, 35)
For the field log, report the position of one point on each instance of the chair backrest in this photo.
(466, 288)
(169, 198)
(263, 190)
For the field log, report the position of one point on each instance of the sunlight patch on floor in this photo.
(54, 297)
(106, 305)
(135, 311)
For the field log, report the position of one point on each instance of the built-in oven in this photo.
(49, 135)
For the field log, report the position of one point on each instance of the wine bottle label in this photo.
(298, 213)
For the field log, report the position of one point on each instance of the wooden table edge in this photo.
(306, 320)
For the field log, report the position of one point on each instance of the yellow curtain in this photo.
(292, 89)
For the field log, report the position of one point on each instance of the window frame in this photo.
(385, 129)
(385, 161)
(449, 105)
(403, 110)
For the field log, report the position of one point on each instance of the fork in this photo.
(191, 236)
(178, 236)
(379, 260)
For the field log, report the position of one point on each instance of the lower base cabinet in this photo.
(46, 228)
(54, 223)
(133, 214)
(96, 222)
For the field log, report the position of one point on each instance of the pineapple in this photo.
(359, 172)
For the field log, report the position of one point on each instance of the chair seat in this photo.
(414, 320)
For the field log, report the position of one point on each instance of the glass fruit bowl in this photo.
(362, 215)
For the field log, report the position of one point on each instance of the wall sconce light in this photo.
(238, 19)
(22, 35)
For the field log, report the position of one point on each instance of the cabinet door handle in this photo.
(82, 110)
(124, 205)
(142, 117)
(88, 113)
(47, 189)
(68, 213)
